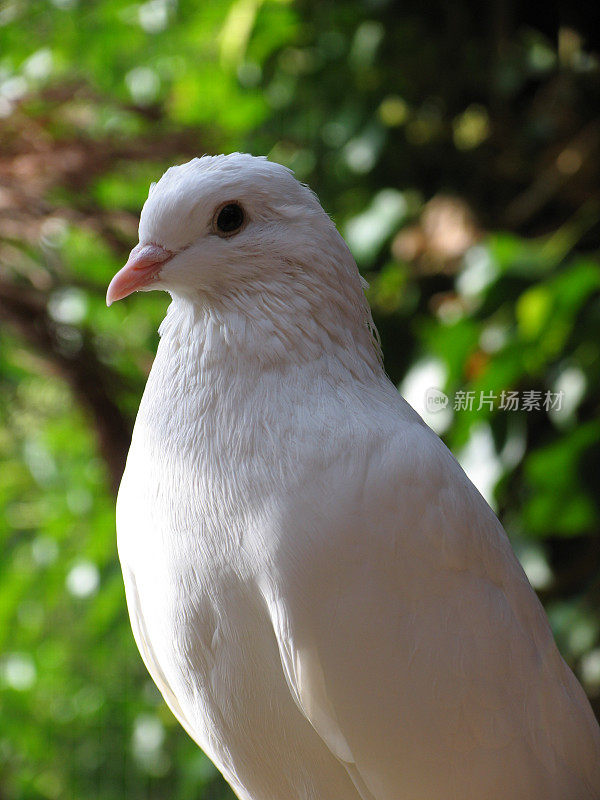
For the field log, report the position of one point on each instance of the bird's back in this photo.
(441, 678)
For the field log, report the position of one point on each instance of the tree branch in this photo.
(92, 382)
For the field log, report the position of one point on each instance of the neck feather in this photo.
(293, 321)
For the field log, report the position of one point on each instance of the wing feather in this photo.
(422, 657)
(142, 640)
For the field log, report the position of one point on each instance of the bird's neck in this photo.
(283, 327)
(227, 373)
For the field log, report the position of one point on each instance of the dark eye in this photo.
(230, 218)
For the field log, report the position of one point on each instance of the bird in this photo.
(327, 604)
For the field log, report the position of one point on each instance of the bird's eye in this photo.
(229, 219)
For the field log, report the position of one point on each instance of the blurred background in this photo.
(457, 147)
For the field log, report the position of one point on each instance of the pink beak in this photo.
(143, 265)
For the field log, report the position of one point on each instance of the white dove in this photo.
(325, 601)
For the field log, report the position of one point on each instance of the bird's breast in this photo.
(193, 577)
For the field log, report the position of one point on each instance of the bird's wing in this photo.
(142, 640)
(411, 639)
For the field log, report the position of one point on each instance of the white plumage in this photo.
(327, 604)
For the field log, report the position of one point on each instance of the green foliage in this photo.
(457, 155)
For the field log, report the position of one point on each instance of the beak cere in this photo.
(142, 268)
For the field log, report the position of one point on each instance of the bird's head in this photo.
(219, 223)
